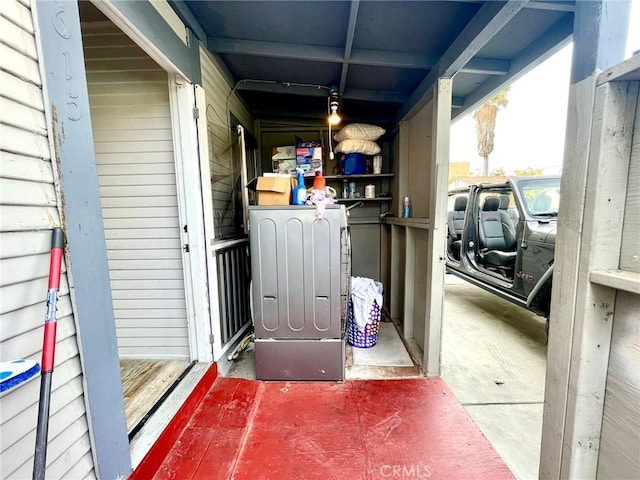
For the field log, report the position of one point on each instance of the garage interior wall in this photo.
(28, 213)
(417, 242)
(414, 167)
(131, 118)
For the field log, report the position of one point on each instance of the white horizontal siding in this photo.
(129, 99)
(28, 212)
(18, 167)
(225, 173)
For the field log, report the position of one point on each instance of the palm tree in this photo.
(485, 116)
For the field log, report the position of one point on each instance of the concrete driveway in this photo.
(494, 361)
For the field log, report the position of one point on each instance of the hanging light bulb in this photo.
(334, 118)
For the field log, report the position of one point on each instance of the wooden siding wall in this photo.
(28, 212)
(225, 174)
(620, 438)
(630, 252)
(129, 99)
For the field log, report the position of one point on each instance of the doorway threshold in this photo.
(157, 423)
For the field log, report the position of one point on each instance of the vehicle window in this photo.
(541, 196)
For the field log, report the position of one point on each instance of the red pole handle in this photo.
(55, 266)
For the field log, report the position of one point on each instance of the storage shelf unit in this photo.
(362, 199)
(364, 176)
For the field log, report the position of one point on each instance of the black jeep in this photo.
(501, 237)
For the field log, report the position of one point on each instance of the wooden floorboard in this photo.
(143, 384)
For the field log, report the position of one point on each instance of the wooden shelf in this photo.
(365, 176)
(364, 221)
(362, 199)
(618, 279)
(414, 222)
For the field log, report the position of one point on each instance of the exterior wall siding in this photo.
(129, 99)
(28, 213)
(225, 175)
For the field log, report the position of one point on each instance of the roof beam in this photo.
(375, 96)
(348, 44)
(284, 88)
(457, 102)
(558, 5)
(275, 49)
(485, 24)
(322, 91)
(551, 41)
(552, 5)
(381, 58)
(319, 115)
(486, 66)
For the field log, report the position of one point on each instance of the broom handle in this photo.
(48, 352)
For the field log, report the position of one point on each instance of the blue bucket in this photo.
(354, 164)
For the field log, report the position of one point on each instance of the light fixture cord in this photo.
(331, 156)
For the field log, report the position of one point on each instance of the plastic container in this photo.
(319, 183)
(300, 192)
(352, 189)
(370, 191)
(354, 164)
(405, 208)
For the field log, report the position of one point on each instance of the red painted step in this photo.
(372, 429)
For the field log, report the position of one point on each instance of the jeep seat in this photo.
(497, 238)
(510, 212)
(455, 223)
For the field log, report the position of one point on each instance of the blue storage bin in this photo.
(354, 164)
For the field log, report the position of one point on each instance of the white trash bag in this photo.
(364, 291)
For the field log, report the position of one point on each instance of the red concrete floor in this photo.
(368, 429)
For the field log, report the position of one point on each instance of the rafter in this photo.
(487, 66)
(552, 5)
(321, 91)
(275, 49)
(348, 44)
(485, 24)
(556, 37)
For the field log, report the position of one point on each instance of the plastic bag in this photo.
(364, 291)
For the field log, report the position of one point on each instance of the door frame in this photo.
(186, 137)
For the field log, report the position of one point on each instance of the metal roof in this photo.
(383, 56)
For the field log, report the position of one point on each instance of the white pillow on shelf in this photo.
(359, 131)
(366, 147)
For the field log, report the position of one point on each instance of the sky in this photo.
(530, 130)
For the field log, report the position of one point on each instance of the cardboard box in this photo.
(273, 190)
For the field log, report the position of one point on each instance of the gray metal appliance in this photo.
(300, 276)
